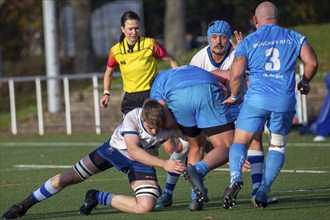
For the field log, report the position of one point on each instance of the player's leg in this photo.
(221, 138)
(213, 117)
(143, 181)
(78, 173)
(237, 157)
(172, 178)
(183, 106)
(221, 141)
(279, 126)
(146, 193)
(198, 191)
(250, 121)
(273, 165)
(256, 160)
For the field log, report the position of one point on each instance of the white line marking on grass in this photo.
(34, 166)
(25, 166)
(289, 191)
(87, 144)
(325, 144)
(50, 144)
(285, 171)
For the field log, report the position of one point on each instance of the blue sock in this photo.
(202, 167)
(237, 157)
(273, 166)
(44, 192)
(172, 179)
(104, 198)
(256, 159)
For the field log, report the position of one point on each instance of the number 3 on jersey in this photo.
(274, 63)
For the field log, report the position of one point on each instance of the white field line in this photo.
(87, 144)
(285, 171)
(32, 166)
(50, 144)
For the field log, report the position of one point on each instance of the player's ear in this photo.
(255, 20)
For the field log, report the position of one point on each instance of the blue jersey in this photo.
(177, 78)
(271, 53)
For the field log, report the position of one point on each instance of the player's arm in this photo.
(170, 60)
(170, 120)
(309, 58)
(107, 81)
(136, 153)
(222, 76)
(236, 74)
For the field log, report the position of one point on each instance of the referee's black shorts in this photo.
(133, 100)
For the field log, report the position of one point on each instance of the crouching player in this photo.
(131, 149)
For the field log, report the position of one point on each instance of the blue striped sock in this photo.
(256, 159)
(104, 198)
(172, 179)
(44, 192)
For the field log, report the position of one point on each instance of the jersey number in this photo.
(274, 63)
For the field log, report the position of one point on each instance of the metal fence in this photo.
(301, 108)
(66, 79)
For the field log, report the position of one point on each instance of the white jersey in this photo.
(203, 59)
(132, 124)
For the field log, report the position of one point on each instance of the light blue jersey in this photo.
(193, 95)
(269, 52)
(181, 77)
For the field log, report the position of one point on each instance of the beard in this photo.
(219, 52)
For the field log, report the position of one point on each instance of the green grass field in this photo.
(303, 186)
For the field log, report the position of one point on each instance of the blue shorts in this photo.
(234, 110)
(121, 162)
(253, 119)
(199, 105)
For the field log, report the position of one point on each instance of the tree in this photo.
(84, 60)
(174, 30)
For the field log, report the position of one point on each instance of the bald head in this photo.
(266, 13)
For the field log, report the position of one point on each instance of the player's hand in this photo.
(230, 101)
(104, 101)
(239, 38)
(174, 166)
(246, 166)
(303, 88)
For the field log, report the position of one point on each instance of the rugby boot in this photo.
(261, 199)
(18, 210)
(270, 200)
(195, 205)
(229, 197)
(164, 201)
(196, 181)
(90, 202)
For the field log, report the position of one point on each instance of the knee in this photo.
(144, 207)
(146, 197)
(277, 140)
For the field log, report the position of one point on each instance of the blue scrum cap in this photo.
(219, 27)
